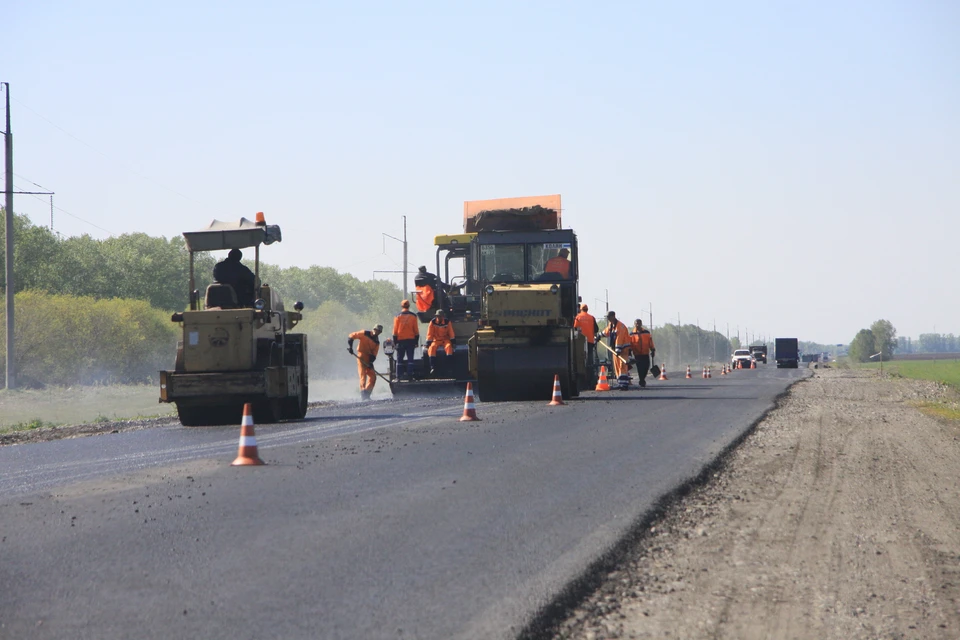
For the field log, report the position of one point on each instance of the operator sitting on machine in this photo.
(439, 334)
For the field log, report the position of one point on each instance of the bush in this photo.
(63, 339)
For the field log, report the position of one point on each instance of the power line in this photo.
(123, 164)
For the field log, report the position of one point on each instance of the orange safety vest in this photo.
(439, 331)
(558, 265)
(622, 335)
(587, 325)
(425, 297)
(406, 326)
(369, 343)
(641, 343)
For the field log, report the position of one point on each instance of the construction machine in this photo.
(525, 266)
(233, 350)
(459, 297)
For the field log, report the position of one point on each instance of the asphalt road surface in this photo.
(388, 519)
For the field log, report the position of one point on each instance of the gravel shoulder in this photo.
(838, 517)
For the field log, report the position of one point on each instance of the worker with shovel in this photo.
(619, 344)
(367, 350)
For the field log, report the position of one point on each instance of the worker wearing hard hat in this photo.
(587, 325)
(367, 350)
(619, 342)
(439, 334)
(406, 335)
(559, 264)
(641, 343)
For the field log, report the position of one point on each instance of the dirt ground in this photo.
(839, 517)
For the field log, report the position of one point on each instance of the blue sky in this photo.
(791, 168)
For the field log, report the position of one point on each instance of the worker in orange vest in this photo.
(641, 343)
(406, 335)
(619, 341)
(587, 325)
(559, 264)
(367, 350)
(439, 334)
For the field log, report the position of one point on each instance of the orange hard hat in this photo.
(405, 304)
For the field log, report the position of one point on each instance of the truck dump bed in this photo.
(529, 213)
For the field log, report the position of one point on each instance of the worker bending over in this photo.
(367, 350)
(439, 334)
(406, 336)
(641, 343)
(619, 340)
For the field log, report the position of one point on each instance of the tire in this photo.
(295, 407)
(192, 416)
(268, 411)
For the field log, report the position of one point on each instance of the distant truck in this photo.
(787, 353)
(759, 352)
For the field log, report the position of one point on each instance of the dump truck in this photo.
(525, 266)
(787, 353)
(234, 351)
(459, 297)
(759, 351)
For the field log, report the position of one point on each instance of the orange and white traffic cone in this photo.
(557, 393)
(247, 455)
(688, 373)
(602, 384)
(469, 410)
(703, 373)
(663, 372)
(753, 364)
(709, 373)
(723, 370)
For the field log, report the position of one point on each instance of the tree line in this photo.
(82, 302)
(929, 343)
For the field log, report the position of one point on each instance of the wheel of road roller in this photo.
(295, 407)
(268, 410)
(192, 416)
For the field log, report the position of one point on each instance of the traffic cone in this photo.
(709, 373)
(703, 373)
(753, 364)
(247, 455)
(723, 370)
(557, 394)
(663, 372)
(688, 373)
(602, 384)
(469, 411)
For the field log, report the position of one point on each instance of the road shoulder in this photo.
(838, 517)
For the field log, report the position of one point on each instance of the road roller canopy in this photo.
(243, 233)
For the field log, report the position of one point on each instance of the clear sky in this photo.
(791, 168)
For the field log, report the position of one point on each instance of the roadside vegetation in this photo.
(94, 312)
(945, 372)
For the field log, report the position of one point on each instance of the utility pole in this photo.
(699, 359)
(8, 249)
(679, 351)
(406, 291)
(651, 317)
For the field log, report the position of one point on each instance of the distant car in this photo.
(743, 357)
(760, 353)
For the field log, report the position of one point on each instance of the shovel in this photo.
(385, 378)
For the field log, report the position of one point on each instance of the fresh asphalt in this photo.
(389, 519)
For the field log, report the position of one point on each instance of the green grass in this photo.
(55, 406)
(945, 371)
